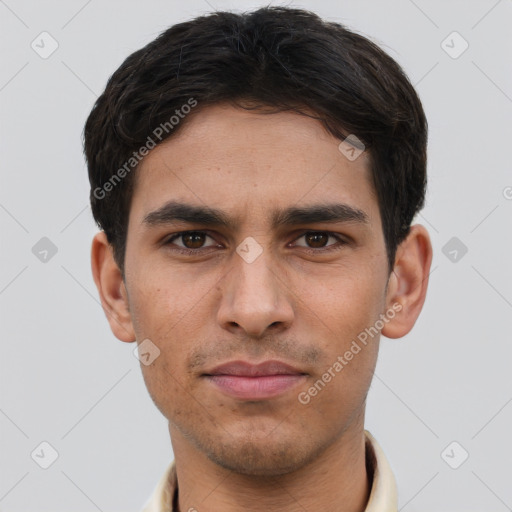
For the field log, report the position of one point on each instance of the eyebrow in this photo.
(333, 212)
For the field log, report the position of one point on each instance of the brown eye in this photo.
(317, 239)
(190, 240)
(193, 240)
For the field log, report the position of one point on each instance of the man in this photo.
(255, 177)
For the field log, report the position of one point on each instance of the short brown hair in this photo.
(278, 57)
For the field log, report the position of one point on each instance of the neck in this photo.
(336, 480)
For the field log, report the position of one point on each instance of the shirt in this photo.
(383, 494)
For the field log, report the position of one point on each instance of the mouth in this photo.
(246, 381)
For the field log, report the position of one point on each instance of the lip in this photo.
(246, 381)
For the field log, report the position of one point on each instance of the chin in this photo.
(272, 452)
(259, 459)
(257, 446)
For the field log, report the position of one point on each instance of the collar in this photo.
(383, 494)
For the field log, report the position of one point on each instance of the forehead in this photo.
(248, 162)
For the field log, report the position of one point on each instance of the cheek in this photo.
(167, 389)
(160, 304)
(344, 312)
(344, 303)
(340, 386)
(169, 318)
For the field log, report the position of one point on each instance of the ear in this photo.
(408, 282)
(111, 288)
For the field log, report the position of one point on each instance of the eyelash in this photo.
(309, 250)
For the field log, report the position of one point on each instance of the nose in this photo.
(255, 298)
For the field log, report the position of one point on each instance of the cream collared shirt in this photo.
(383, 494)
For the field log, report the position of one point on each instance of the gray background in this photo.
(66, 380)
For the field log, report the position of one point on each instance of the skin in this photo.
(302, 308)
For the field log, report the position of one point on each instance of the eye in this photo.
(317, 241)
(192, 241)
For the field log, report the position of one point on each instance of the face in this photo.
(273, 278)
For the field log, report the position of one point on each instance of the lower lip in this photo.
(255, 388)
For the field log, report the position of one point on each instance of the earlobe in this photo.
(408, 282)
(111, 288)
